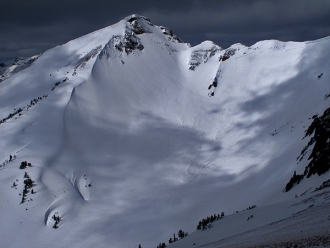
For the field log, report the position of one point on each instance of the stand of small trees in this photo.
(173, 240)
(28, 184)
(24, 164)
(250, 217)
(57, 219)
(319, 157)
(58, 83)
(11, 115)
(295, 179)
(161, 245)
(326, 97)
(206, 223)
(325, 184)
(11, 158)
(251, 207)
(19, 110)
(181, 235)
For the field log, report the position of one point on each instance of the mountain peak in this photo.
(141, 24)
(134, 17)
(138, 24)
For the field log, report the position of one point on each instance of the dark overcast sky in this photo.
(31, 27)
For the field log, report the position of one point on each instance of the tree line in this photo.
(207, 222)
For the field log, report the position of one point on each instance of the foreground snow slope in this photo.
(130, 140)
(301, 221)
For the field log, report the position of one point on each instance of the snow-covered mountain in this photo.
(128, 134)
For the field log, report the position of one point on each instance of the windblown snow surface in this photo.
(133, 134)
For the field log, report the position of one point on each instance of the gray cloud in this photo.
(31, 27)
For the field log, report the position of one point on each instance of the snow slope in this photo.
(302, 221)
(133, 134)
